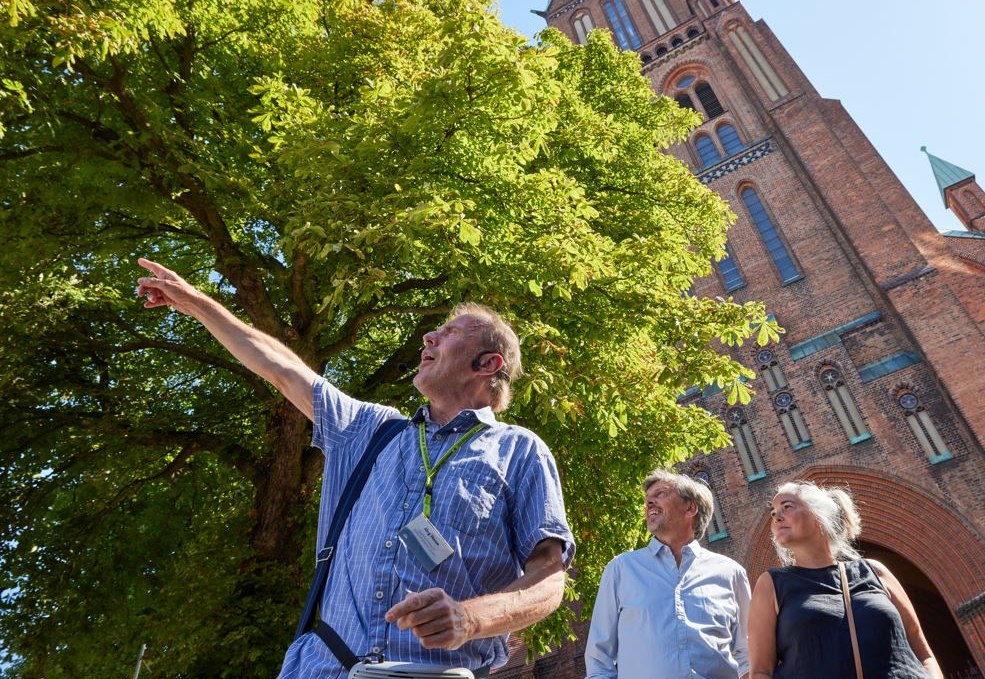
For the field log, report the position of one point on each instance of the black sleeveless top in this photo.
(812, 638)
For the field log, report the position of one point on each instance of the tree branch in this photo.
(347, 334)
(417, 284)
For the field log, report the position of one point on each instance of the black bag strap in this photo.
(353, 488)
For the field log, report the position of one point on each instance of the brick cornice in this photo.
(564, 9)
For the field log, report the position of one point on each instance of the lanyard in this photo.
(429, 471)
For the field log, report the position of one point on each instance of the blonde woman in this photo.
(797, 622)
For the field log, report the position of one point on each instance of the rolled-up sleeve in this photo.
(602, 647)
(538, 506)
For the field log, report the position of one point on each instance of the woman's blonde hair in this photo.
(835, 512)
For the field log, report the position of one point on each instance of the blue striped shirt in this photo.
(494, 500)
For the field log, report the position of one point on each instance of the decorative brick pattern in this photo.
(751, 154)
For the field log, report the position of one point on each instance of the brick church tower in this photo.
(878, 383)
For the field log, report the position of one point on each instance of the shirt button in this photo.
(388, 544)
(406, 505)
(379, 595)
(421, 467)
(376, 649)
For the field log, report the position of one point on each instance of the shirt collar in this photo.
(465, 419)
(694, 547)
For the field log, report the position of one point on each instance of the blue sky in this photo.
(909, 73)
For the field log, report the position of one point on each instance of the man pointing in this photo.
(486, 492)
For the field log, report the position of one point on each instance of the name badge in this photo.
(425, 542)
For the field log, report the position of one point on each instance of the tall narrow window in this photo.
(792, 420)
(684, 101)
(622, 25)
(769, 368)
(709, 102)
(923, 428)
(771, 239)
(716, 529)
(707, 150)
(729, 138)
(660, 15)
(758, 64)
(582, 25)
(731, 276)
(745, 444)
(844, 405)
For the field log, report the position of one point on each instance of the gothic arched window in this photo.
(660, 14)
(582, 25)
(769, 368)
(729, 138)
(923, 428)
(716, 529)
(709, 102)
(745, 444)
(791, 419)
(707, 150)
(622, 25)
(729, 269)
(683, 100)
(687, 85)
(844, 405)
(771, 238)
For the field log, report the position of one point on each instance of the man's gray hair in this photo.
(498, 336)
(690, 490)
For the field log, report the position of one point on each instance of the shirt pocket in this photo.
(466, 501)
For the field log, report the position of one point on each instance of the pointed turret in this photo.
(961, 193)
(947, 174)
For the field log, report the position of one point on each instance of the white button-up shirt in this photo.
(653, 619)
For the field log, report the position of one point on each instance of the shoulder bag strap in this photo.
(353, 488)
(851, 619)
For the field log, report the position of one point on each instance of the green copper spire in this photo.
(946, 174)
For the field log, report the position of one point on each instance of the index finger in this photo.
(414, 601)
(155, 268)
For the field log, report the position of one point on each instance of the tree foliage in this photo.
(340, 174)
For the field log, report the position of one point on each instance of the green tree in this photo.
(339, 173)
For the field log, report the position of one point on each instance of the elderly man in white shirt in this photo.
(672, 610)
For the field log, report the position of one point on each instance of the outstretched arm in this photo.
(441, 622)
(914, 633)
(259, 352)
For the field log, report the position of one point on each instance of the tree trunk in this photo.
(280, 494)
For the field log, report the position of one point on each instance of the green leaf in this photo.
(469, 233)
